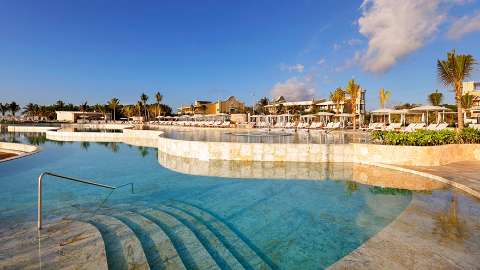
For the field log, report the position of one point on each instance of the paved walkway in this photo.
(466, 173)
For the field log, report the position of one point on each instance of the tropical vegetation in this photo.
(384, 96)
(427, 137)
(353, 90)
(337, 97)
(452, 72)
(435, 98)
(47, 112)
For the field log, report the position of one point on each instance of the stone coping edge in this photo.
(465, 188)
(22, 150)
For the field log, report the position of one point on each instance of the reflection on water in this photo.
(255, 136)
(351, 173)
(448, 223)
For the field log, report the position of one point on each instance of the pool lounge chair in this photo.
(410, 127)
(432, 127)
(419, 126)
(332, 126)
(441, 126)
(394, 126)
(475, 126)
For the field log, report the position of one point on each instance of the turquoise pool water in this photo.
(292, 224)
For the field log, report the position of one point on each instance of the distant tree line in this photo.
(113, 106)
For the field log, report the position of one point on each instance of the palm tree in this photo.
(101, 109)
(452, 72)
(337, 96)
(260, 106)
(138, 108)
(59, 105)
(158, 98)
(467, 102)
(3, 108)
(31, 109)
(14, 108)
(84, 107)
(384, 96)
(143, 100)
(113, 103)
(353, 90)
(435, 98)
(128, 111)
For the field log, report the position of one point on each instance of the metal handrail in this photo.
(83, 181)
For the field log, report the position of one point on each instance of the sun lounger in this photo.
(441, 126)
(432, 127)
(410, 127)
(394, 126)
(332, 126)
(475, 126)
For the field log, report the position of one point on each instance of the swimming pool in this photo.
(288, 220)
(264, 136)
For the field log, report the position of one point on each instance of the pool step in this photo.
(158, 248)
(123, 249)
(173, 235)
(247, 254)
(193, 253)
(224, 258)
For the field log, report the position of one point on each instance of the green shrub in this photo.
(426, 137)
(469, 135)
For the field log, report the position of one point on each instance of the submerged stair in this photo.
(122, 247)
(247, 254)
(174, 235)
(190, 249)
(214, 246)
(158, 248)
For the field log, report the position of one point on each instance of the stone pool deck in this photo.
(466, 173)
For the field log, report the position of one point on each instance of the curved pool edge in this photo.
(452, 183)
(21, 150)
(386, 156)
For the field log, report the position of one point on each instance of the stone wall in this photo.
(358, 153)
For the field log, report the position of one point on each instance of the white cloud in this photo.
(297, 67)
(321, 61)
(464, 25)
(396, 28)
(295, 89)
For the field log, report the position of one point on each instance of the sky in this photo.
(91, 50)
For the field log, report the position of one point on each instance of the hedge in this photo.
(427, 137)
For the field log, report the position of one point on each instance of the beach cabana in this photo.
(425, 109)
(382, 113)
(343, 118)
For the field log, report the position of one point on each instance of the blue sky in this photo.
(94, 50)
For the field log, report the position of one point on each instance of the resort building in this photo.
(74, 117)
(473, 89)
(229, 106)
(281, 105)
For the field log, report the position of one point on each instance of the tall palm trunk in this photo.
(458, 99)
